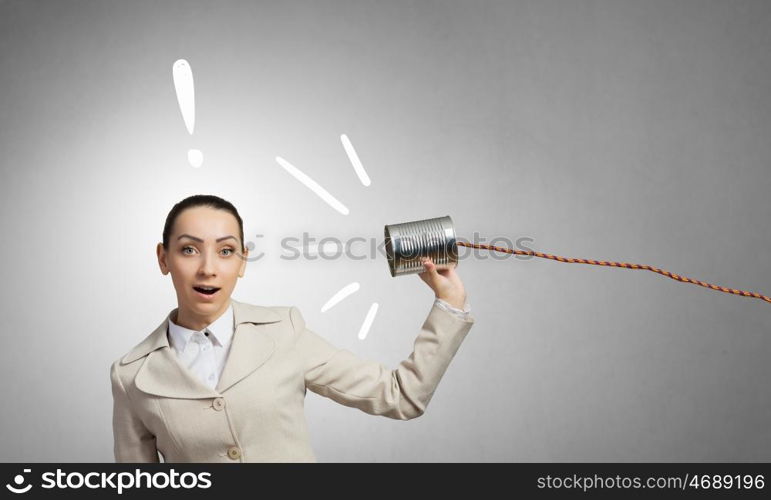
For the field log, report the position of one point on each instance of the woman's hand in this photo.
(446, 283)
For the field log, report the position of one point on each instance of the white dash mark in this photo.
(368, 321)
(183, 84)
(355, 161)
(313, 186)
(340, 295)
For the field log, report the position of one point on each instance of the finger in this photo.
(425, 274)
(430, 270)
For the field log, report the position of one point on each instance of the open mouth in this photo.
(206, 290)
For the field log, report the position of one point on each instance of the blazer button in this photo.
(219, 404)
(234, 453)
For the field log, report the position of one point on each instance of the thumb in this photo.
(429, 273)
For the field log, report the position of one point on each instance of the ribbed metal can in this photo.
(406, 243)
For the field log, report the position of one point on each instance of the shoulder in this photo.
(285, 321)
(259, 314)
(121, 373)
(245, 312)
(154, 340)
(128, 363)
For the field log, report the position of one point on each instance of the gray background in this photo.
(619, 130)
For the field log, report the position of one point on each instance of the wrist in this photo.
(457, 302)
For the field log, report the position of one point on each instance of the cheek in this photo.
(233, 266)
(182, 269)
(232, 278)
(231, 274)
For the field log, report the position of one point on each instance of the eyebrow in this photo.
(201, 241)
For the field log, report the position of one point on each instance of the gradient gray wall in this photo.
(614, 130)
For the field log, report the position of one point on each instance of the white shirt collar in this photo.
(221, 331)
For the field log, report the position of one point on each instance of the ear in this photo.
(161, 253)
(244, 260)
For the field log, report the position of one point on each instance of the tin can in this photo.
(406, 243)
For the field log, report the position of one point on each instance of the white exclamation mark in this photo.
(183, 84)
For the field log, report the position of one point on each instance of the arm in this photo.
(133, 442)
(403, 393)
(462, 313)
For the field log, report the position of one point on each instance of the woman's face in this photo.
(204, 251)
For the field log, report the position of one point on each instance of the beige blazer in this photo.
(255, 414)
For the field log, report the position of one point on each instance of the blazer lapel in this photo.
(162, 374)
(251, 347)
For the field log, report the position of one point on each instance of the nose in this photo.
(208, 266)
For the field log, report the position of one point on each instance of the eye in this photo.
(228, 249)
(185, 248)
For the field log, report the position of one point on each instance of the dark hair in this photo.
(201, 200)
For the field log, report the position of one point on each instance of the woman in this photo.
(221, 380)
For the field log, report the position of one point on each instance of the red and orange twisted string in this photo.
(615, 264)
